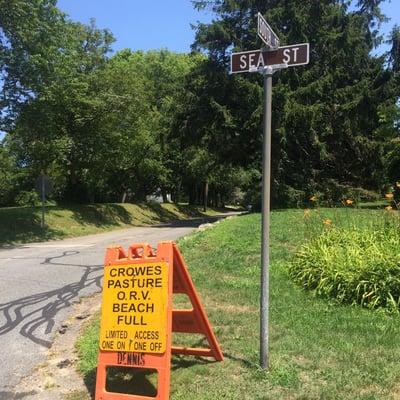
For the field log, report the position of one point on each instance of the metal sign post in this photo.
(266, 191)
(266, 207)
(267, 61)
(43, 195)
(43, 187)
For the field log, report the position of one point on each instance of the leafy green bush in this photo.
(289, 197)
(397, 193)
(335, 193)
(331, 194)
(353, 265)
(28, 198)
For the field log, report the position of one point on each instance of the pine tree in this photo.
(325, 115)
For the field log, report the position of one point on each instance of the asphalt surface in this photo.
(39, 283)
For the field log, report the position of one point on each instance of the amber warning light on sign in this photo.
(134, 308)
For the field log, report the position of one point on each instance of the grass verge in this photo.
(318, 349)
(23, 224)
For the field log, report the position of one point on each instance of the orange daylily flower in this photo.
(389, 195)
(349, 202)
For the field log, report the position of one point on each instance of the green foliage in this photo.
(88, 346)
(335, 194)
(27, 198)
(392, 163)
(326, 115)
(40, 49)
(12, 177)
(102, 131)
(50, 102)
(6, 176)
(123, 127)
(332, 194)
(30, 34)
(153, 82)
(394, 53)
(353, 265)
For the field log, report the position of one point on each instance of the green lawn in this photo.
(23, 224)
(318, 349)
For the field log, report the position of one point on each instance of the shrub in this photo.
(397, 193)
(334, 193)
(290, 197)
(27, 198)
(353, 265)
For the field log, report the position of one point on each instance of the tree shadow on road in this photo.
(35, 315)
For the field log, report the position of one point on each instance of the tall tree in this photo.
(390, 115)
(325, 114)
(394, 53)
(30, 34)
(51, 103)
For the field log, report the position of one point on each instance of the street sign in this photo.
(43, 185)
(252, 61)
(43, 188)
(266, 33)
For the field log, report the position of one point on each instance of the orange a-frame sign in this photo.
(138, 318)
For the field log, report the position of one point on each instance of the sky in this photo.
(391, 10)
(145, 25)
(141, 24)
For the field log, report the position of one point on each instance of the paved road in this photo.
(39, 283)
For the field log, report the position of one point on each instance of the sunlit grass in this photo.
(23, 224)
(318, 350)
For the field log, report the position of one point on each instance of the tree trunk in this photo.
(164, 195)
(192, 195)
(205, 196)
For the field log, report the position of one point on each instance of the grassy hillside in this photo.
(23, 224)
(318, 349)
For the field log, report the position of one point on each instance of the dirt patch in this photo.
(395, 392)
(57, 377)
